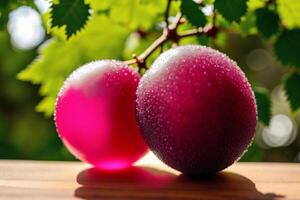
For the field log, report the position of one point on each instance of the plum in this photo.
(196, 109)
(95, 115)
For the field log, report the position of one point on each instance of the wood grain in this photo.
(149, 179)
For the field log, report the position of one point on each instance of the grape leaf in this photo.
(203, 40)
(4, 12)
(103, 37)
(247, 25)
(263, 103)
(206, 2)
(287, 47)
(289, 12)
(193, 13)
(231, 10)
(267, 22)
(253, 154)
(73, 14)
(150, 1)
(254, 4)
(291, 86)
(58, 58)
(99, 5)
(133, 14)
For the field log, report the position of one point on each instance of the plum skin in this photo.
(196, 110)
(95, 115)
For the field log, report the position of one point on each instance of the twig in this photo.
(167, 12)
(214, 17)
(176, 21)
(197, 31)
(157, 43)
(170, 34)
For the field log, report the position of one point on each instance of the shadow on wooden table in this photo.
(147, 183)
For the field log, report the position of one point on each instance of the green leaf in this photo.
(254, 4)
(207, 2)
(263, 103)
(287, 47)
(134, 15)
(58, 58)
(231, 10)
(73, 14)
(289, 12)
(221, 39)
(104, 37)
(193, 13)
(247, 25)
(203, 40)
(267, 22)
(150, 1)
(254, 153)
(292, 88)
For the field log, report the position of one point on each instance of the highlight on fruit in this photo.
(95, 115)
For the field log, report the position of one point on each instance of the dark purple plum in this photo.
(196, 109)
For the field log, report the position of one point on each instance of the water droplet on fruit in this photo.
(206, 110)
(93, 98)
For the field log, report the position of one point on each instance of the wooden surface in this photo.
(150, 180)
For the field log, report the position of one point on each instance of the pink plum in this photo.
(95, 115)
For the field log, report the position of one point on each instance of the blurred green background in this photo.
(27, 43)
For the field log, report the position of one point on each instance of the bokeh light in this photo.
(258, 59)
(281, 131)
(43, 5)
(25, 28)
(208, 10)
